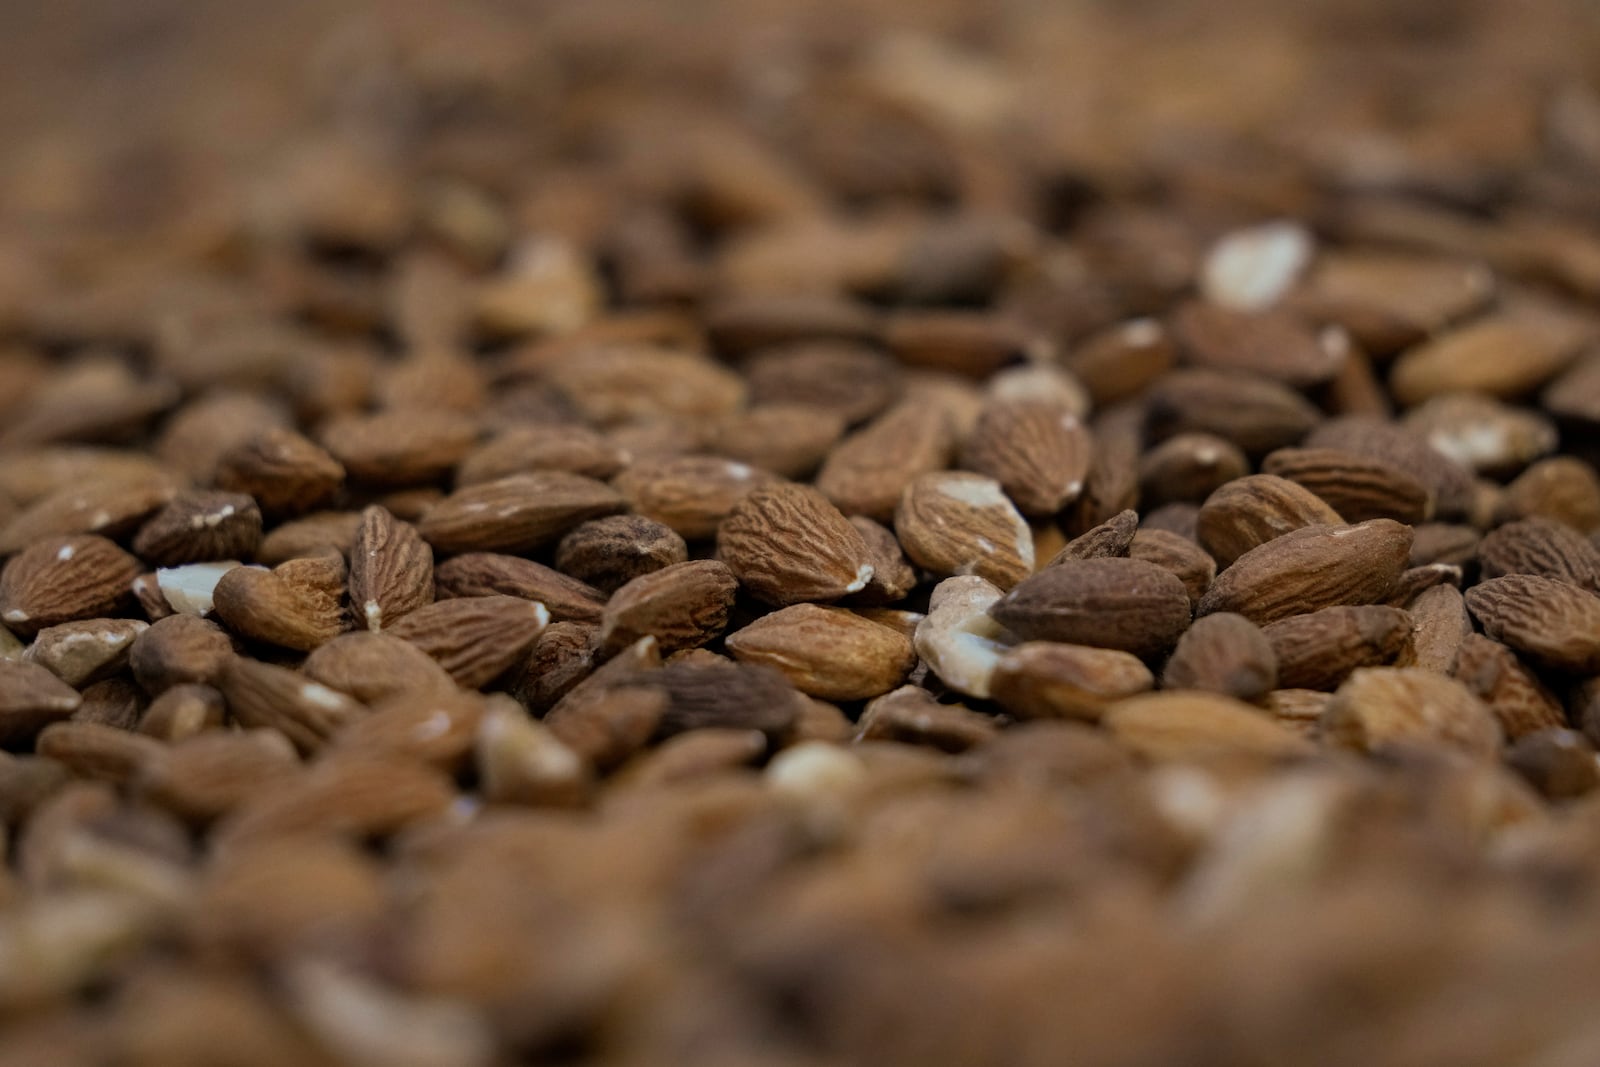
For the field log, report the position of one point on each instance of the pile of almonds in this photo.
(809, 534)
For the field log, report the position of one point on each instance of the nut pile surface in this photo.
(779, 535)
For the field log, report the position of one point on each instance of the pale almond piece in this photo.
(286, 473)
(399, 447)
(1125, 604)
(108, 508)
(961, 642)
(60, 579)
(830, 653)
(1312, 568)
(1320, 649)
(1184, 725)
(516, 514)
(1499, 354)
(1039, 383)
(1248, 512)
(1378, 707)
(868, 472)
(491, 574)
(815, 770)
(1554, 624)
(522, 449)
(954, 522)
(681, 606)
(690, 494)
(1251, 269)
(520, 761)
(82, 652)
(296, 605)
(1039, 453)
(609, 553)
(31, 697)
(1223, 653)
(179, 650)
(391, 569)
(1050, 680)
(475, 639)
(368, 1021)
(373, 667)
(1521, 703)
(262, 695)
(786, 543)
(191, 588)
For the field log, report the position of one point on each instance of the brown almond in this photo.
(1051, 680)
(853, 380)
(391, 569)
(356, 796)
(101, 753)
(516, 514)
(1521, 703)
(83, 652)
(1190, 563)
(726, 695)
(1255, 413)
(611, 552)
(1248, 512)
(1312, 568)
(1274, 344)
(179, 650)
(1562, 488)
(406, 447)
(491, 574)
(689, 494)
(206, 776)
(1544, 547)
(30, 698)
(60, 579)
(868, 472)
(911, 716)
(786, 543)
(477, 638)
(1189, 467)
(1449, 483)
(619, 383)
(200, 526)
(263, 695)
(285, 473)
(1552, 623)
(183, 711)
(790, 440)
(373, 667)
(563, 655)
(1223, 653)
(955, 522)
(1439, 624)
(108, 508)
(308, 536)
(1483, 434)
(1498, 354)
(1038, 451)
(1357, 487)
(1320, 649)
(1187, 725)
(830, 653)
(892, 576)
(1125, 604)
(1112, 484)
(1388, 300)
(681, 606)
(1109, 540)
(1379, 707)
(296, 605)
(522, 449)
(1121, 360)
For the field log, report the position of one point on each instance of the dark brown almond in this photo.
(1251, 511)
(1312, 568)
(786, 543)
(1192, 565)
(855, 381)
(1357, 487)
(1520, 701)
(689, 494)
(1189, 467)
(563, 655)
(721, 694)
(516, 514)
(1439, 624)
(609, 553)
(1051, 680)
(391, 569)
(1255, 413)
(179, 650)
(284, 472)
(1120, 361)
(1223, 653)
(681, 606)
(1320, 649)
(200, 526)
(1112, 485)
(59, 579)
(911, 716)
(868, 472)
(490, 574)
(264, 695)
(1109, 540)
(1553, 624)
(1125, 604)
(30, 698)
(475, 639)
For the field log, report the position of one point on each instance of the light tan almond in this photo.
(831, 653)
(1312, 568)
(263, 695)
(869, 471)
(1380, 707)
(1050, 680)
(1184, 725)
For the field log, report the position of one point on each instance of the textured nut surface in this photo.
(1051, 680)
(1551, 622)
(1312, 568)
(1382, 706)
(831, 653)
(681, 606)
(787, 543)
(1223, 653)
(954, 522)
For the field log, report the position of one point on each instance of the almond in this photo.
(720, 694)
(1274, 344)
(893, 578)
(296, 605)
(399, 447)
(516, 514)
(1356, 487)
(475, 639)
(1378, 707)
(1112, 485)
(108, 508)
(201, 526)
(960, 640)
(83, 652)
(1320, 649)
(1109, 540)
(1388, 300)
(490, 574)
(59, 579)
(1251, 511)
(1521, 703)
(1124, 604)
(689, 494)
(1187, 561)
(790, 440)
(1312, 568)
(786, 544)
(681, 606)
(1256, 414)
(1039, 452)
(853, 380)
(31, 697)
(611, 552)
(391, 569)
(829, 653)
(1189, 467)
(304, 711)
(523, 449)
(206, 776)
(284, 472)
(1554, 624)
(179, 650)
(911, 716)
(1184, 725)
(1223, 653)
(1544, 547)
(372, 667)
(1050, 680)
(869, 471)
(1498, 354)
(954, 522)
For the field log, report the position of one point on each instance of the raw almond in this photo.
(1356, 487)
(304, 711)
(689, 494)
(1320, 649)
(1125, 604)
(1038, 451)
(867, 474)
(108, 508)
(1312, 568)
(1223, 653)
(83, 652)
(1380, 707)
(1184, 725)
(373, 667)
(477, 638)
(179, 650)
(491, 574)
(516, 514)
(522, 449)
(1187, 561)
(955, 522)
(391, 569)
(297, 605)
(829, 653)
(1251, 511)
(681, 606)
(284, 472)
(1051, 680)
(59, 579)
(611, 552)
(1554, 624)
(1521, 703)
(1543, 547)
(787, 543)
(31, 697)
(407, 447)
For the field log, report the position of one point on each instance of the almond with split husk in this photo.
(516, 514)
(787, 543)
(955, 522)
(831, 653)
(475, 639)
(1125, 604)
(391, 569)
(1312, 568)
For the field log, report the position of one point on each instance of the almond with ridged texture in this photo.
(1357, 487)
(786, 543)
(87, 651)
(1051, 680)
(492, 574)
(1185, 725)
(179, 650)
(867, 473)
(30, 698)
(286, 473)
(1380, 707)
(1124, 604)
(611, 552)
(391, 569)
(1111, 539)
(305, 711)
(1112, 485)
(1448, 482)
(1223, 653)
(854, 381)
(476, 639)
(1039, 452)
(200, 526)
(1312, 568)
(1251, 511)
(298, 604)
(1274, 344)
(893, 578)
(831, 653)
(957, 522)
(1553, 624)
(1255, 413)
(681, 606)
(1439, 624)
(60, 579)
(1501, 355)
(690, 494)
(373, 667)
(405, 447)
(1544, 547)
(1561, 488)
(521, 449)
(516, 514)
(1520, 701)
(1320, 649)
(309, 535)
(110, 509)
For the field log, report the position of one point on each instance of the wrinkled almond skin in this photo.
(59, 579)
(1378, 707)
(477, 638)
(830, 653)
(1357, 487)
(911, 716)
(391, 569)
(492, 574)
(516, 514)
(1544, 547)
(611, 552)
(681, 606)
(1320, 649)
(1223, 653)
(1051, 680)
(1038, 451)
(1553, 624)
(868, 472)
(893, 578)
(1255, 413)
(787, 543)
(1439, 625)
(373, 667)
(107, 508)
(284, 472)
(262, 695)
(1190, 563)
(1312, 568)
(953, 522)
(1124, 604)
(1251, 511)
(273, 606)
(1109, 540)
(1521, 703)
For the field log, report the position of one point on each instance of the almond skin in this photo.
(1543, 547)
(1124, 604)
(1223, 653)
(1383, 706)
(1553, 624)
(491, 574)
(516, 514)
(304, 711)
(373, 667)
(475, 639)
(179, 650)
(830, 653)
(285, 473)
(869, 471)
(681, 606)
(391, 569)
(59, 579)
(30, 698)
(611, 552)
(954, 522)
(1312, 568)
(1051, 680)
(786, 543)
(281, 606)
(690, 494)
(1039, 452)
(1251, 511)
(1320, 649)
(1183, 725)
(1521, 703)
(1357, 487)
